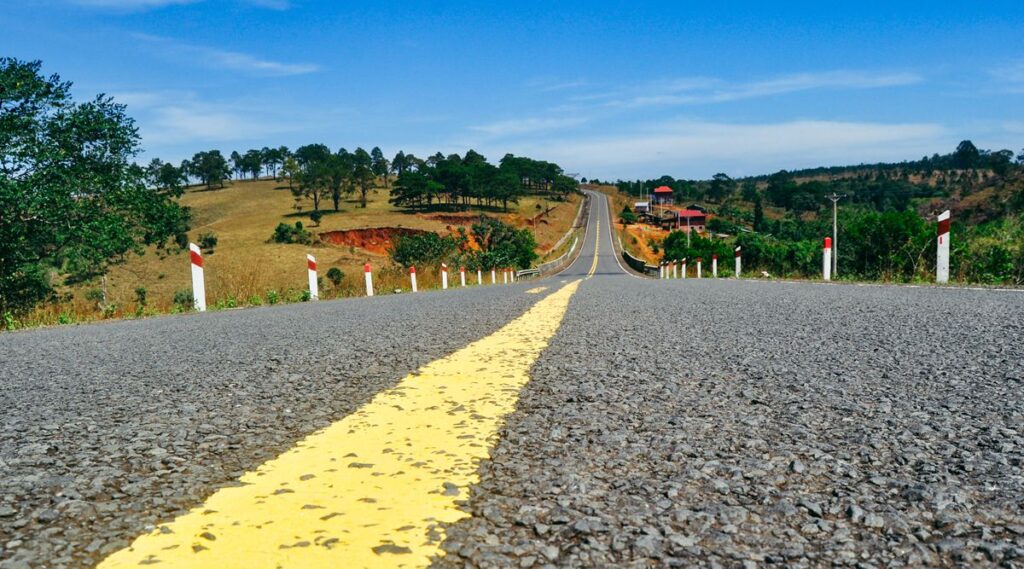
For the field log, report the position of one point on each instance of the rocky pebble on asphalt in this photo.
(745, 424)
(110, 429)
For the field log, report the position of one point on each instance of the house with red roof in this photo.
(662, 195)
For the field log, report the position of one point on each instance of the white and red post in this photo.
(479, 277)
(684, 267)
(661, 270)
(504, 276)
(494, 276)
(444, 276)
(675, 270)
(714, 266)
(198, 278)
(942, 255)
(369, 279)
(699, 268)
(314, 291)
(826, 260)
(462, 276)
(412, 277)
(738, 262)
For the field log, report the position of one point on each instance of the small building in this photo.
(697, 207)
(662, 195)
(642, 207)
(690, 220)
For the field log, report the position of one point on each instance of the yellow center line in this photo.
(537, 290)
(597, 246)
(372, 489)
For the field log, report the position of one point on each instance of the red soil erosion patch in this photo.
(375, 239)
(453, 219)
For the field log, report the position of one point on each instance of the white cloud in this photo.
(136, 5)
(525, 126)
(704, 90)
(700, 149)
(1013, 73)
(224, 59)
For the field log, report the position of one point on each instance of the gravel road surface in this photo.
(716, 423)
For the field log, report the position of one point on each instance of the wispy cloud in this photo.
(224, 59)
(173, 117)
(526, 126)
(1011, 77)
(706, 90)
(699, 149)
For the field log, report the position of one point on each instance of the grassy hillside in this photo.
(245, 267)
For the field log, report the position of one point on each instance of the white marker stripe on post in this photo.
(699, 260)
(198, 278)
(494, 278)
(462, 276)
(738, 262)
(444, 276)
(942, 254)
(714, 266)
(684, 268)
(504, 276)
(479, 277)
(826, 260)
(314, 291)
(412, 277)
(369, 279)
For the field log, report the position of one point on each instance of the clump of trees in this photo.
(498, 245)
(455, 181)
(72, 201)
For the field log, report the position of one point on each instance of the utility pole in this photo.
(835, 232)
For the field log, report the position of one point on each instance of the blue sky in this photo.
(606, 89)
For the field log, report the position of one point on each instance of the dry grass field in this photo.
(246, 268)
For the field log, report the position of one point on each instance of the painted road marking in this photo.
(597, 246)
(374, 488)
(537, 290)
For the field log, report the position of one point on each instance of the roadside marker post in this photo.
(738, 262)
(314, 291)
(684, 268)
(412, 277)
(942, 255)
(494, 278)
(661, 270)
(675, 270)
(369, 279)
(444, 276)
(504, 276)
(699, 267)
(714, 266)
(512, 275)
(462, 275)
(826, 260)
(198, 278)
(479, 277)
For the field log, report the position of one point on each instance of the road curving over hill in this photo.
(602, 419)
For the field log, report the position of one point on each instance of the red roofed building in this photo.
(662, 196)
(691, 220)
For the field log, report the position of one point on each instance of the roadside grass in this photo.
(246, 269)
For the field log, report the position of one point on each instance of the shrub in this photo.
(315, 216)
(285, 233)
(273, 297)
(140, 296)
(423, 249)
(335, 275)
(183, 299)
(207, 241)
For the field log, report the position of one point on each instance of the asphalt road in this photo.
(710, 422)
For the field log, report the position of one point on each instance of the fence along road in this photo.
(607, 420)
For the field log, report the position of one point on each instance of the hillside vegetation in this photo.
(886, 218)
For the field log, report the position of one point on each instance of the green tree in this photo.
(210, 167)
(362, 174)
(71, 200)
(758, 214)
(423, 249)
(503, 245)
(966, 155)
(379, 165)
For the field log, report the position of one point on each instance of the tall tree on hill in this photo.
(966, 156)
(362, 174)
(165, 177)
(337, 169)
(72, 202)
(379, 165)
(721, 186)
(400, 163)
(252, 162)
(210, 167)
(237, 165)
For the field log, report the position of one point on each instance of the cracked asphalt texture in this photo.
(689, 423)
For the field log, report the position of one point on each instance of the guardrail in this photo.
(637, 264)
(551, 265)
